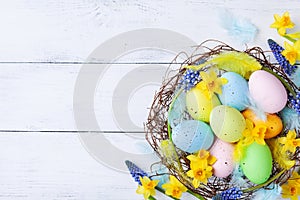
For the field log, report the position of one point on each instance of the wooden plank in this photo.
(41, 96)
(71, 30)
(56, 166)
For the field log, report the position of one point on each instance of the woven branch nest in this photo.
(157, 123)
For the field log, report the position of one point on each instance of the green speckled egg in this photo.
(227, 123)
(257, 163)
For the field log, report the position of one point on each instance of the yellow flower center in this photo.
(199, 173)
(211, 85)
(291, 54)
(295, 143)
(149, 186)
(286, 21)
(176, 192)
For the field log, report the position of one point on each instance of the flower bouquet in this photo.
(226, 125)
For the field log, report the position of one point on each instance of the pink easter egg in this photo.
(267, 91)
(223, 151)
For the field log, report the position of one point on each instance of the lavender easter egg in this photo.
(267, 91)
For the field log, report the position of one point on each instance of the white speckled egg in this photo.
(192, 135)
(223, 151)
(267, 91)
(235, 92)
(227, 123)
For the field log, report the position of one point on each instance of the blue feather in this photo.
(256, 109)
(238, 178)
(272, 193)
(290, 119)
(161, 173)
(239, 28)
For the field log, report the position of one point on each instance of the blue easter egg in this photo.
(235, 92)
(192, 135)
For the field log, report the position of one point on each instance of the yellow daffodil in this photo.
(174, 188)
(200, 174)
(202, 156)
(282, 23)
(291, 190)
(210, 83)
(147, 188)
(291, 52)
(296, 177)
(290, 143)
(256, 133)
(279, 156)
(238, 152)
(200, 166)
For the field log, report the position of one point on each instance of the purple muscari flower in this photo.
(135, 171)
(283, 62)
(231, 194)
(190, 79)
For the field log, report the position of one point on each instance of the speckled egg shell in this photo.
(257, 163)
(267, 91)
(192, 135)
(227, 123)
(235, 92)
(199, 106)
(223, 151)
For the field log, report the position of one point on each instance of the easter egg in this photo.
(227, 123)
(192, 135)
(273, 123)
(199, 105)
(256, 163)
(267, 91)
(176, 113)
(235, 92)
(223, 151)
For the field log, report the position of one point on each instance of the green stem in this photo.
(189, 191)
(195, 194)
(151, 198)
(264, 184)
(287, 86)
(289, 38)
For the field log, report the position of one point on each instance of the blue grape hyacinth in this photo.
(295, 102)
(230, 194)
(135, 171)
(190, 79)
(283, 62)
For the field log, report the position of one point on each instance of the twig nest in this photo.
(227, 119)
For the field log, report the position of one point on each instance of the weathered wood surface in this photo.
(43, 46)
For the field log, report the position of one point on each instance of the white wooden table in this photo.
(43, 46)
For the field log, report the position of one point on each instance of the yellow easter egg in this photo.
(199, 106)
(273, 123)
(227, 123)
